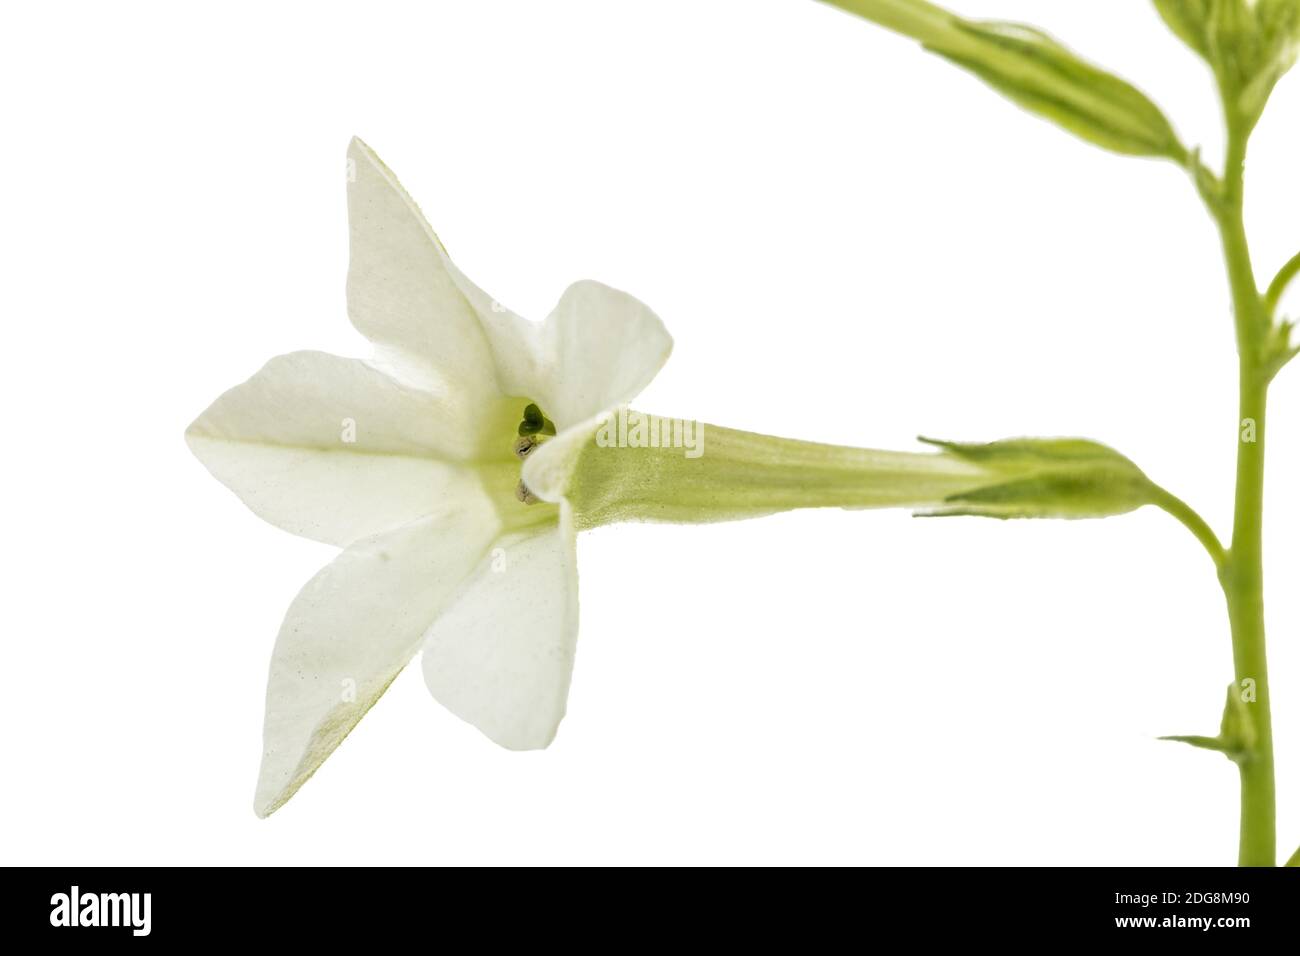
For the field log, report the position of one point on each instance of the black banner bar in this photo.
(134, 906)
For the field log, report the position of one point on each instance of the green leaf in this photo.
(1037, 72)
(1047, 478)
(1237, 734)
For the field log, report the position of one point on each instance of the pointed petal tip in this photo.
(271, 794)
(264, 802)
(264, 805)
(358, 147)
(359, 152)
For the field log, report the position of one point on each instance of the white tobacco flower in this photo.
(456, 466)
(411, 463)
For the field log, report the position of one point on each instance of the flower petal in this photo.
(500, 657)
(401, 294)
(609, 346)
(598, 348)
(349, 633)
(332, 448)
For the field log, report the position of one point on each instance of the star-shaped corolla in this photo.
(411, 462)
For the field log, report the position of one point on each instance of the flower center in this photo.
(533, 430)
(535, 422)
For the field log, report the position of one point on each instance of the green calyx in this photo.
(1047, 478)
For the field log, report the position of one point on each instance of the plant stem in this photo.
(1194, 523)
(1242, 575)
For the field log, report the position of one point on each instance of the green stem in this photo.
(1194, 523)
(1242, 575)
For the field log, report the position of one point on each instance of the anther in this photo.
(524, 495)
(535, 422)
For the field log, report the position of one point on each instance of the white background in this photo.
(850, 240)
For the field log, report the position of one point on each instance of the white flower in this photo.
(408, 461)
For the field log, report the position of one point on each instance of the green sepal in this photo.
(1047, 478)
(1237, 734)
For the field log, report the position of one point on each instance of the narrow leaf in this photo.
(1237, 735)
(1031, 68)
(1205, 743)
(1037, 72)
